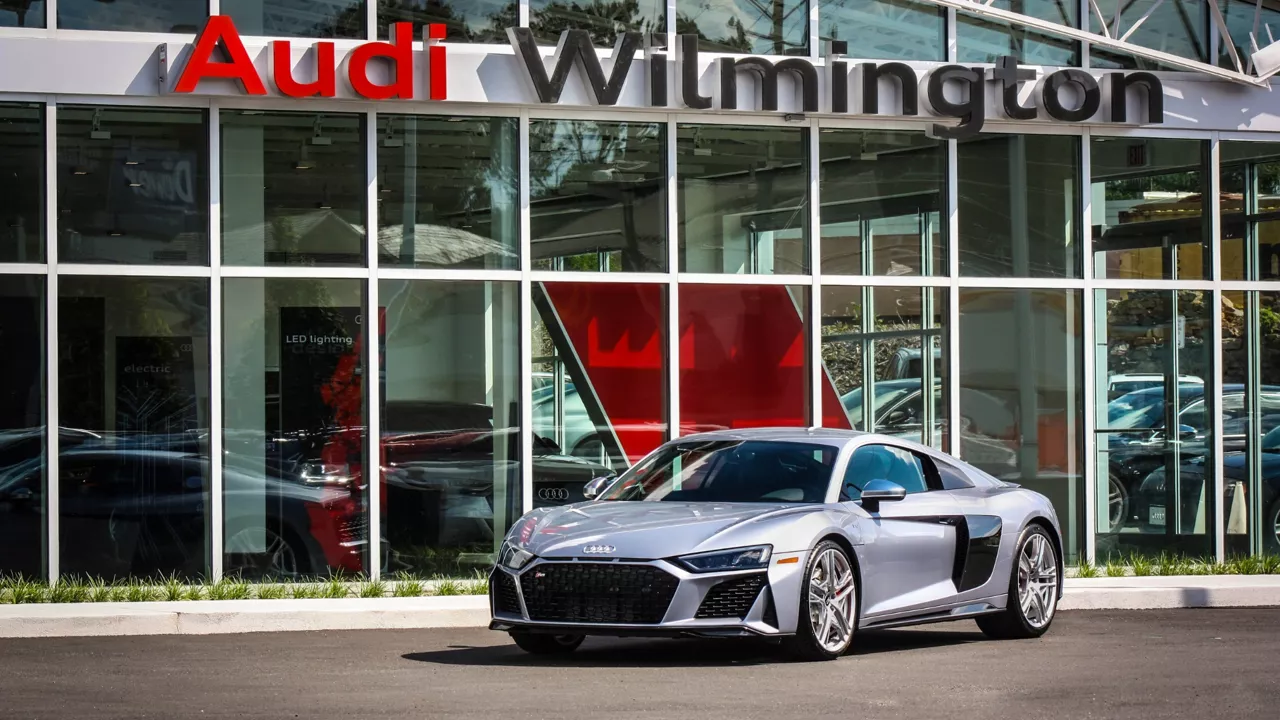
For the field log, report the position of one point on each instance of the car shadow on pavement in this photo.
(614, 652)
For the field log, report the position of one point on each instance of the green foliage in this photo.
(173, 588)
(69, 590)
(229, 589)
(375, 589)
(272, 591)
(1141, 565)
(334, 588)
(306, 591)
(1087, 570)
(1116, 568)
(407, 586)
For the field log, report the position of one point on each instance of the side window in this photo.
(951, 477)
(882, 462)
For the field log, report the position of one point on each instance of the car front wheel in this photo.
(1033, 589)
(828, 605)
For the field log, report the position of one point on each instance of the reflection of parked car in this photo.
(1122, 383)
(131, 511)
(441, 471)
(905, 363)
(1152, 497)
(1138, 443)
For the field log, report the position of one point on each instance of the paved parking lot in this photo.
(1130, 665)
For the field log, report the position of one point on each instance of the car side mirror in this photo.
(595, 486)
(880, 490)
(1185, 430)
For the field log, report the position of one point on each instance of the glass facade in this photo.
(190, 294)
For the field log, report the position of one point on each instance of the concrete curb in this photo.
(209, 617)
(1182, 591)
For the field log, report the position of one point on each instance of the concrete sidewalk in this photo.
(209, 617)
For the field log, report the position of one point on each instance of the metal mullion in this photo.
(817, 374)
(1154, 285)
(24, 269)
(373, 342)
(1028, 283)
(216, 532)
(952, 35)
(1215, 233)
(52, 415)
(406, 273)
(186, 271)
(370, 19)
(673, 272)
(1086, 350)
(1086, 49)
(951, 340)
(744, 279)
(921, 281)
(305, 273)
(522, 13)
(815, 30)
(598, 277)
(526, 314)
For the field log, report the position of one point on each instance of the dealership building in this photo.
(297, 287)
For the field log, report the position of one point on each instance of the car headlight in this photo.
(513, 557)
(748, 558)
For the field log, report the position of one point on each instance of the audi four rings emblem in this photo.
(598, 549)
(553, 493)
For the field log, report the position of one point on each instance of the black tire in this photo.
(539, 644)
(1012, 624)
(804, 645)
(1271, 528)
(1117, 504)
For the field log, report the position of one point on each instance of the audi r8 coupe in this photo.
(804, 535)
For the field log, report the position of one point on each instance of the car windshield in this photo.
(763, 471)
(1144, 409)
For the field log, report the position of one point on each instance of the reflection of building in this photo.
(371, 333)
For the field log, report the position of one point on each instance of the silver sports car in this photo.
(801, 534)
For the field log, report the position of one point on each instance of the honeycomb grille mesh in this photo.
(597, 592)
(505, 599)
(731, 598)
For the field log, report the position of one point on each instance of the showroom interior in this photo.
(198, 292)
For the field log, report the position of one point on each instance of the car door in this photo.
(909, 557)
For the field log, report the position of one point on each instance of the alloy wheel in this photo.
(1037, 581)
(832, 600)
(1116, 504)
(275, 560)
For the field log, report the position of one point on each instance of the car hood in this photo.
(651, 530)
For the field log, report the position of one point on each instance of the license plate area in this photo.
(1155, 515)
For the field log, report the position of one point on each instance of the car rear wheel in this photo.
(1271, 528)
(539, 644)
(1033, 589)
(1117, 504)
(828, 613)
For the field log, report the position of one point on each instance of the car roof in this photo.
(821, 436)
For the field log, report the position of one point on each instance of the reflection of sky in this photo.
(718, 20)
(885, 29)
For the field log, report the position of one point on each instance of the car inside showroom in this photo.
(297, 288)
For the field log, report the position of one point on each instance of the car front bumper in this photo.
(646, 598)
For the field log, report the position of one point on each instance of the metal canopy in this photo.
(1263, 62)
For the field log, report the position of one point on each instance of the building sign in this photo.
(967, 95)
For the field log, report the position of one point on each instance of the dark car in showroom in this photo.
(1138, 443)
(1151, 501)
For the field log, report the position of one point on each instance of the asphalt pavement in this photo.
(1222, 663)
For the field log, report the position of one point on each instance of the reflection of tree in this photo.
(566, 162)
(843, 358)
(604, 19)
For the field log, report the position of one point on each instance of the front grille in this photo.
(597, 592)
(505, 599)
(731, 598)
